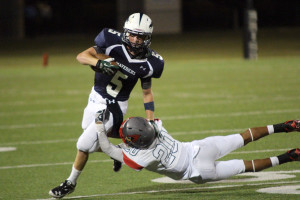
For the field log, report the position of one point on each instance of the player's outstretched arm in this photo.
(106, 146)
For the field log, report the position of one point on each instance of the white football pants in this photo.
(213, 148)
(88, 141)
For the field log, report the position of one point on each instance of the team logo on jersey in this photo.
(142, 67)
(127, 69)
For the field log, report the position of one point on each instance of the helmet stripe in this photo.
(141, 16)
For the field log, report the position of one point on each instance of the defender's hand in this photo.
(151, 122)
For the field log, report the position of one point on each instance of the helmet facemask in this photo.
(136, 48)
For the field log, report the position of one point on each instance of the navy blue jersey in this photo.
(120, 85)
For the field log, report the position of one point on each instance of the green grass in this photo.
(207, 88)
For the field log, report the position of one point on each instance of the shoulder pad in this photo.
(157, 63)
(108, 37)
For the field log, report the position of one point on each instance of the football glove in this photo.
(153, 124)
(101, 117)
(105, 66)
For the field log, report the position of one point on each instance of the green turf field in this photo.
(206, 89)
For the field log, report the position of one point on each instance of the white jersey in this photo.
(168, 157)
(194, 160)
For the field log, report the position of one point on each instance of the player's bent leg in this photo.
(222, 170)
(257, 165)
(219, 146)
(253, 134)
(87, 142)
(80, 160)
(261, 164)
(213, 148)
(226, 169)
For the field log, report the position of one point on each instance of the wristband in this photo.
(149, 106)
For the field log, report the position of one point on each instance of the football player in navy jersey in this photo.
(130, 59)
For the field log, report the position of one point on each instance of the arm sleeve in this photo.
(98, 50)
(100, 39)
(107, 147)
(146, 83)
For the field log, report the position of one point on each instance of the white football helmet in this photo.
(139, 24)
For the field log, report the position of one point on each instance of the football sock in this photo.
(284, 158)
(74, 175)
(279, 128)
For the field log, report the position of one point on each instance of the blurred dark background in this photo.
(32, 18)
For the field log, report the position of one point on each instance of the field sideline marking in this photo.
(228, 99)
(75, 139)
(108, 160)
(175, 190)
(30, 113)
(49, 164)
(234, 114)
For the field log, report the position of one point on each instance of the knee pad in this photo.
(88, 141)
(81, 145)
(87, 147)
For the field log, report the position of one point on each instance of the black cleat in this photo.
(294, 154)
(62, 190)
(292, 125)
(117, 165)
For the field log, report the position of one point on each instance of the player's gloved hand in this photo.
(105, 66)
(101, 118)
(153, 124)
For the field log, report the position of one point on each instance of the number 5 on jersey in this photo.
(115, 85)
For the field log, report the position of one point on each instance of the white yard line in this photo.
(39, 142)
(22, 126)
(210, 115)
(234, 114)
(205, 99)
(75, 139)
(49, 164)
(30, 113)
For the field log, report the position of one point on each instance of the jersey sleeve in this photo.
(129, 162)
(100, 39)
(157, 63)
(106, 38)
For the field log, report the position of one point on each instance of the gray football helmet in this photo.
(137, 132)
